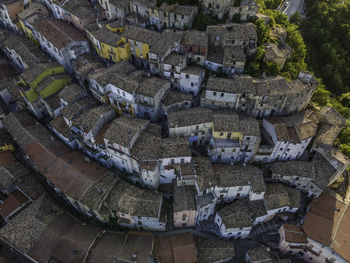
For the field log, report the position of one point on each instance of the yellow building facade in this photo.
(227, 135)
(108, 43)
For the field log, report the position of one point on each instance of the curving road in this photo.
(293, 6)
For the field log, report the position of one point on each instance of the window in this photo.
(192, 84)
(197, 127)
(221, 134)
(222, 94)
(214, 93)
(288, 150)
(172, 161)
(240, 188)
(182, 160)
(281, 149)
(248, 138)
(123, 93)
(243, 95)
(187, 76)
(233, 150)
(223, 150)
(228, 135)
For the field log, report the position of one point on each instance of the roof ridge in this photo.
(338, 223)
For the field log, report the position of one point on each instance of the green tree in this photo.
(295, 18)
(345, 100)
(202, 20)
(321, 96)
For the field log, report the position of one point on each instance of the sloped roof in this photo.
(328, 222)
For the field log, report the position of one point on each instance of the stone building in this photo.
(148, 97)
(88, 187)
(172, 16)
(246, 9)
(176, 100)
(235, 220)
(79, 13)
(288, 136)
(277, 54)
(303, 176)
(217, 7)
(75, 108)
(184, 206)
(238, 181)
(61, 41)
(119, 139)
(129, 90)
(279, 198)
(22, 52)
(330, 123)
(234, 138)
(191, 79)
(172, 66)
(228, 46)
(240, 35)
(195, 124)
(195, 45)
(273, 96)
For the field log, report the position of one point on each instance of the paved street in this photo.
(293, 6)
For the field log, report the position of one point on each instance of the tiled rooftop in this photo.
(90, 117)
(209, 251)
(129, 199)
(123, 129)
(77, 107)
(184, 198)
(278, 196)
(71, 92)
(150, 86)
(175, 96)
(58, 32)
(192, 116)
(239, 175)
(195, 38)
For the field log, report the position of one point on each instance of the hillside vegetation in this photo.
(326, 31)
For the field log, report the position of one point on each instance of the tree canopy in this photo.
(326, 31)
